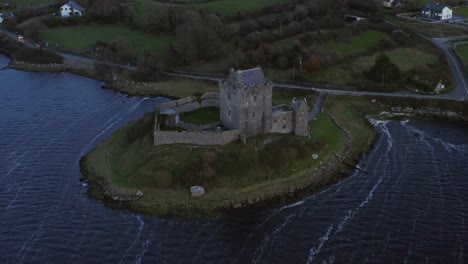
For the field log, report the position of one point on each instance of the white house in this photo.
(437, 11)
(387, 3)
(72, 9)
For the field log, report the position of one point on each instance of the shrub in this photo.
(140, 128)
(38, 56)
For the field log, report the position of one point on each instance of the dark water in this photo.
(411, 208)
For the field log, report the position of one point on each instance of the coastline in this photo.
(326, 176)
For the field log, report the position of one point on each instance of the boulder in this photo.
(315, 156)
(197, 191)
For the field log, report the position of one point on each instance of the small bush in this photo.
(38, 56)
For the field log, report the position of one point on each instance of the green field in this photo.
(202, 116)
(19, 4)
(462, 50)
(404, 58)
(82, 38)
(433, 30)
(461, 11)
(233, 7)
(356, 44)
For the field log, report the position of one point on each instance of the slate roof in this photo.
(396, 3)
(435, 7)
(75, 6)
(251, 77)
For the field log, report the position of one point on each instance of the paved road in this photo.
(332, 91)
(318, 105)
(66, 55)
(456, 66)
(460, 93)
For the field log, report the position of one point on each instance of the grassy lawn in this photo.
(356, 44)
(202, 116)
(462, 50)
(83, 37)
(350, 113)
(323, 129)
(336, 75)
(238, 172)
(233, 7)
(461, 11)
(404, 58)
(19, 4)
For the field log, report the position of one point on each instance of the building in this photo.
(246, 104)
(72, 9)
(1, 18)
(387, 3)
(437, 11)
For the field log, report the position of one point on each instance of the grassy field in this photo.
(235, 173)
(233, 7)
(433, 30)
(461, 11)
(19, 4)
(202, 116)
(83, 38)
(404, 58)
(356, 44)
(462, 50)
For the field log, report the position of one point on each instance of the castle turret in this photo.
(246, 102)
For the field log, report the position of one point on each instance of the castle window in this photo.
(229, 97)
(274, 121)
(284, 126)
(255, 98)
(253, 114)
(229, 113)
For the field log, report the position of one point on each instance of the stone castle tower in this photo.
(246, 102)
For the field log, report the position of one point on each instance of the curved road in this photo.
(460, 93)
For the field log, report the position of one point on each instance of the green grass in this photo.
(233, 7)
(461, 11)
(433, 30)
(323, 129)
(23, 3)
(404, 58)
(356, 44)
(83, 37)
(202, 116)
(462, 50)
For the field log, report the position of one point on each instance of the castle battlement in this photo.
(246, 110)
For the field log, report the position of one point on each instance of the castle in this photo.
(246, 110)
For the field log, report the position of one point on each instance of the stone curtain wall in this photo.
(192, 103)
(210, 99)
(195, 138)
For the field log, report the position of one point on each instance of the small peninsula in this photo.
(239, 148)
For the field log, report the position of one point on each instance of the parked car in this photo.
(20, 38)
